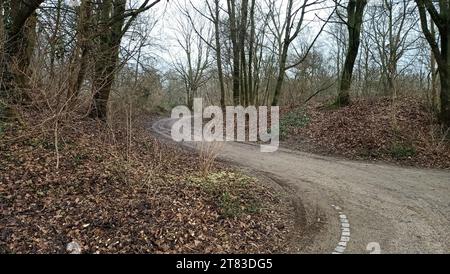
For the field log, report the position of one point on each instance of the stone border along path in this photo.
(345, 232)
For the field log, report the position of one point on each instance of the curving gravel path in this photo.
(398, 209)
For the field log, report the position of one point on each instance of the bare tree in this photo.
(286, 31)
(355, 11)
(441, 52)
(17, 48)
(54, 39)
(435, 102)
(192, 68)
(391, 25)
(231, 4)
(242, 39)
(213, 16)
(114, 20)
(79, 57)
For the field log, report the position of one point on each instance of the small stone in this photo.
(345, 233)
(339, 249)
(346, 229)
(344, 221)
(345, 225)
(73, 248)
(342, 216)
(334, 252)
(343, 244)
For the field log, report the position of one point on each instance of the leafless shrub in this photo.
(209, 151)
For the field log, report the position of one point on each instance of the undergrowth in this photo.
(297, 118)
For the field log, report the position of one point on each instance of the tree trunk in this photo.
(236, 52)
(284, 53)
(280, 79)
(355, 11)
(251, 53)
(242, 39)
(442, 54)
(219, 54)
(54, 39)
(108, 56)
(445, 100)
(17, 49)
(444, 75)
(79, 59)
(435, 105)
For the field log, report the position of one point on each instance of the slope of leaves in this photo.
(377, 128)
(146, 202)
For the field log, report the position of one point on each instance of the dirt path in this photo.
(404, 210)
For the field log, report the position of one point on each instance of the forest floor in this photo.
(376, 129)
(150, 198)
(156, 197)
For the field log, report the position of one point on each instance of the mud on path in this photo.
(403, 210)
